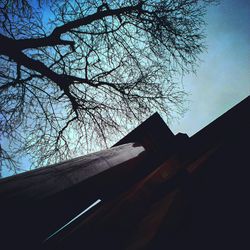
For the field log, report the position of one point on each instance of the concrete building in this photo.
(151, 190)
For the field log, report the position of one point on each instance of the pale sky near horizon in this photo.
(223, 77)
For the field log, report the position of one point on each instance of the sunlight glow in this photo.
(68, 223)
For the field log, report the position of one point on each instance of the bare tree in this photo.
(77, 73)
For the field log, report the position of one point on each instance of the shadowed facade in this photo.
(156, 190)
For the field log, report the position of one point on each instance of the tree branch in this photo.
(54, 38)
(58, 31)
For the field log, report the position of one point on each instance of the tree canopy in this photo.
(73, 74)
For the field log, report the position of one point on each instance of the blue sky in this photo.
(223, 77)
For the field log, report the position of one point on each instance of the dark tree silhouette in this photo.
(76, 74)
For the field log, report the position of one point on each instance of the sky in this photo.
(223, 77)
